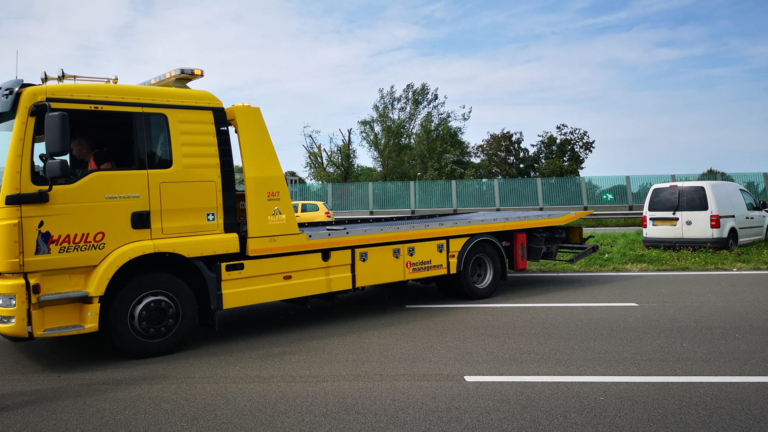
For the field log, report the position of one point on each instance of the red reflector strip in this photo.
(287, 277)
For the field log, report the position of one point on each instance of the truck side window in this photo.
(309, 208)
(106, 141)
(750, 201)
(158, 141)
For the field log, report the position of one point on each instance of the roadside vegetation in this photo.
(607, 223)
(625, 252)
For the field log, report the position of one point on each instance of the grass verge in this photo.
(625, 252)
(607, 223)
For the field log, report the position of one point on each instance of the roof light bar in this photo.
(177, 78)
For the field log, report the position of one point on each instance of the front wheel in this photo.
(152, 315)
(481, 273)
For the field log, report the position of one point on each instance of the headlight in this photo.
(7, 301)
(5, 320)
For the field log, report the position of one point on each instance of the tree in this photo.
(562, 154)
(413, 132)
(295, 174)
(334, 162)
(711, 174)
(503, 155)
(367, 174)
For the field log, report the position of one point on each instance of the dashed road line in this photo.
(619, 379)
(523, 305)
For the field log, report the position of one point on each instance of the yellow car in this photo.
(312, 211)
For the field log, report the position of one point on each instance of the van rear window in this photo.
(695, 199)
(665, 199)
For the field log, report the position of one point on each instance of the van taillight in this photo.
(645, 221)
(714, 221)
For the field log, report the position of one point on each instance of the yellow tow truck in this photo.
(118, 211)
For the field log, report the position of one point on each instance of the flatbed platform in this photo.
(365, 226)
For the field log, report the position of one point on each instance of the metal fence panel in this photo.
(349, 196)
(753, 182)
(433, 194)
(391, 195)
(520, 192)
(561, 191)
(309, 192)
(475, 193)
(695, 177)
(606, 190)
(641, 185)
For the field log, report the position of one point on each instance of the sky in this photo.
(663, 86)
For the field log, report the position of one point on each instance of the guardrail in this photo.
(599, 193)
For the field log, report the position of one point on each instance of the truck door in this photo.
(89, 214)
(184, 173)
(695, 213)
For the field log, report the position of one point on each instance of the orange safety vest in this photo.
(92, 164)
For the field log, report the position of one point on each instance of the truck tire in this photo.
(481, 272)
(168, 309)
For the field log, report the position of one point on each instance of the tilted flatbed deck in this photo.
(509, 219)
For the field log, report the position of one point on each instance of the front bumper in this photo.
(674, 243)
(14, 285)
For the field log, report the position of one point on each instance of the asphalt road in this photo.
(369, 363)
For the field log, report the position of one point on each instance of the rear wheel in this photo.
(481, 273)
(732, 241)
(152, 315)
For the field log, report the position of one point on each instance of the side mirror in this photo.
(57, 137)
(763, 205)
(56, 169)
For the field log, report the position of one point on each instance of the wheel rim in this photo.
(154, 316)
(481, 271)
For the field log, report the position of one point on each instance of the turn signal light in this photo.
(714, 221)
(645, 221)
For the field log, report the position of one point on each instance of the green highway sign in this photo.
(608, 197)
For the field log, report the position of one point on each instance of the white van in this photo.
(714, 214)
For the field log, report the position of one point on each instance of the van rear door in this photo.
(664, 213)
(695, 213)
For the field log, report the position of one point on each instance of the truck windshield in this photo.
(6, 128)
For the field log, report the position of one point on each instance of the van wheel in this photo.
(152, 315)
(766, 234)
(481, 273)
(732, 241)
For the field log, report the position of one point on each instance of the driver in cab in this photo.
(83, 150)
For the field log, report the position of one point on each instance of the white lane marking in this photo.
(523, 305)
(706, 273)
(621, 379)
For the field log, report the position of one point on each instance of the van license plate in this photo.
(664, 222)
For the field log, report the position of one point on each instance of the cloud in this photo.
(635, 83)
